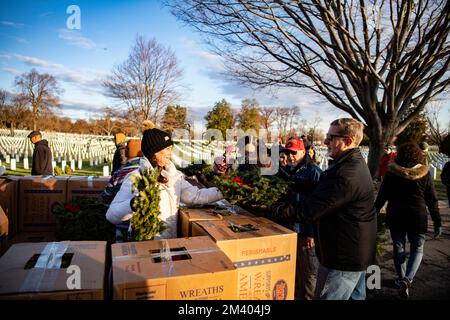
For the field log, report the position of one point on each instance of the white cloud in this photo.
(21, 40)
(33, 61)
(12, 71)
(11, 24)
(75, 38)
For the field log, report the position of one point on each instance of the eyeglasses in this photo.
(290, 152)
(330, 137)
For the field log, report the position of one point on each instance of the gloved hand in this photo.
(133, 203)
(437, 232)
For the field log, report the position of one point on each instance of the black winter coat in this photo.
(409, 192)
(120, 157)
(42, 159)
(342, 208)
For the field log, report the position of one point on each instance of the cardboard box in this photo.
(37, 196)
(175, 269)
(86, 187)
(27, 237)
(264, 253)
(189, 215)
(3, 223)
(54, 271)
(8, 201)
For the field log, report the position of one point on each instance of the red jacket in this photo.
(384, 162)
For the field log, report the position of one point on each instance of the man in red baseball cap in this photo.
(295, 150)
(303, 174)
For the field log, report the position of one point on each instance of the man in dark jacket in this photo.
(445, 178)
(342, 209)
(42, 155)
(304, 175)
(120, 157)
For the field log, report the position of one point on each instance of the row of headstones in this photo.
(13, 162)
(20, 151)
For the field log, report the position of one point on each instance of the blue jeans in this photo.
(417, 242)
(340, 285)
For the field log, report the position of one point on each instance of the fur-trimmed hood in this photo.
(414, 173)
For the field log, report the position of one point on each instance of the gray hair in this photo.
(350, 127)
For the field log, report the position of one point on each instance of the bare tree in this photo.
(267, 118)
(380, 61)
(107, 123)
(147, 81)
(41, 92)
(315, 124)
(436, 133)
(282, 119)
(13, 109)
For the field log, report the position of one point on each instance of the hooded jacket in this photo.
(42, 159)
(409, 192)
(176, 190)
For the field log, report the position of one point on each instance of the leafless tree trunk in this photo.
(380, 61)
(147, 81)
(41, 92)
(436, 133)
(267, 117)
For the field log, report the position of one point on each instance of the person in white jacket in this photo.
(157, 150)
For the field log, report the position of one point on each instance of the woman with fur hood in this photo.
(157, 149)
(409, 190)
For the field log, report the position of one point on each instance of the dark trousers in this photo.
(448, 195)
(306, 270)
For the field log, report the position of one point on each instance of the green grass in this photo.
(441, 191)
(86, 171)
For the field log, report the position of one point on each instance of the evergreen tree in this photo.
(174, 118)
(220, 117)
(249, 116)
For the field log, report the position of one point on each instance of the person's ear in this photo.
(349, 140)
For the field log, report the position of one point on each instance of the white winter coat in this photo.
(176, 190)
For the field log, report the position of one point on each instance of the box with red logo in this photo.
(263, 252)
(174, 269)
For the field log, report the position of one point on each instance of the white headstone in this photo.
(63, 165)
(433, 172)
(25, 163)
(105, 171)
(13, 164)
(8, 159)
(91, 162)
(72, 164)
(53, 166)
(80, 164)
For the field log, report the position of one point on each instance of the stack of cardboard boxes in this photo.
(28, 202)
(234, 257)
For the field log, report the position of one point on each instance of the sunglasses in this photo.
(290, 152)
(330, 137)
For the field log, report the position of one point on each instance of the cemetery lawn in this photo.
(440, 188)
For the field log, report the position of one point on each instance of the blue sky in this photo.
(34, 34)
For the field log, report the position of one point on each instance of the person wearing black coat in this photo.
(409, 190)
(120, 156)
(342, 209)
(42, 155)
(445, 179)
